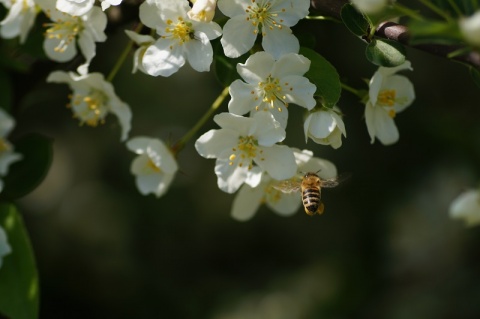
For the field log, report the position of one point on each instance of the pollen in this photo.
(180, 31)
(90, 109)
(4, 146)
(261, 13)
(272, 91)
(386, 97)
(151, 165)
(63, 30)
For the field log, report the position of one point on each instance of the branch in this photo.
(399, 33)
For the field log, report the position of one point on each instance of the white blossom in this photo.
(203, 10)
(470, 28)
(272, 85)
(107, 3)
(249, 199)
(467, 207)
(271, 19)
(93, 98)
(181, 38)
(7, 154)
(74, 7)
(242, 142)
(5, 248)
(370, 6)
(155, 166)
(65, 30)
(389, 94)
(143, 42)
(19, 19)
(325, 127)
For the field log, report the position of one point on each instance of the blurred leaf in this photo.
(30, 171)
(18, 274)
(435, 32)
(387, 53)
(354, 20)
(6, 91)
(324, 76)
(475, 74)
(226, 68)
(306, 39)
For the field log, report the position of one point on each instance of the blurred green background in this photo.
(385, 247)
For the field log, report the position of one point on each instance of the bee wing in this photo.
(333, 182)
(288, 186)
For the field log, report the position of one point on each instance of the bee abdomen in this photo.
(311, 200)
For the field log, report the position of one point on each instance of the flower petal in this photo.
(163, 58)
(238, 36)
(246, 202)
(291, 64)
(278, 161)
(229, 177)
(299, 90)
(199, 52)
(257, 67)
(280, 41)
(213, 143)
(242, 100)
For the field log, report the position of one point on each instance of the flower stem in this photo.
(408, 12)
(123, 56)
(435, 9)
(352, 90)
(322, 18)
(177, 147)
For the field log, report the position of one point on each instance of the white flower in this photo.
(155, 166)
(370, 6)
(325, 127)
(62, 34)
(271, 85)
(272, 19)
(240, 143)
(248, 199)
(75, 7)
(93, 98)
(107, 3)
(389, 94)
(203, 10)
(467, 207)
(7, 154)
(143, 42)
(470, 28)
(19, 19)
(5, 248)
(181, 38)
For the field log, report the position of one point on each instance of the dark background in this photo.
(385, 247)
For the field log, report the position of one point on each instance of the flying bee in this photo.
(311, 186)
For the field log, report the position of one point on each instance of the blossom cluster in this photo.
(249, 145)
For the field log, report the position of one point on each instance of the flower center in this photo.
(151, 165)
(4, 146)
(272, 91)
(64, 30)
(245, 151)
(260, 13)
(386, 97)
(90, 109)
(181, 31)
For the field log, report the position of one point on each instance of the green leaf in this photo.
(324, 76)
(29, 172)
(385, 53)
(6, 91)
(354, 20)
(226, 68)
(18, 274)
(434, 32)
(475, 74)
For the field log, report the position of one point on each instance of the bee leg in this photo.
(320, 209)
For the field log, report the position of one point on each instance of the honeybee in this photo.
(310, 185)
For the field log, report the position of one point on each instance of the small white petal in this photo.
(257, 67)
(242, 100)
(278, 161)
(213, 143)
(280, 41)
(467, 207)
(163, 58)
(238, 37)
(199, 53)
(246, 202)
(229, 177)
